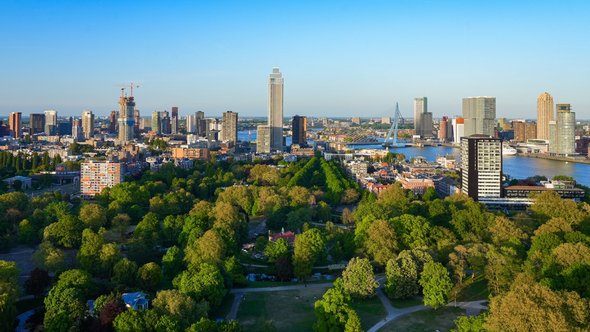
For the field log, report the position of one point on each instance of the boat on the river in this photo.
(507, 150)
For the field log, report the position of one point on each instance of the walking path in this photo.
(392, 312)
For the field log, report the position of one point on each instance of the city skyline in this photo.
(349, 47)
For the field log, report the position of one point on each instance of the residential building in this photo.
(174, 120)
(385, 120)
(524, 130)
(77, 130)
(50, 122)
(113, 122)
(15, 124)
(263, 139)
(229, 127)
(562, 131)
(458, 129)
(480, 115)
(356, 120)
(445, 129)
(200, 124)
(36, 123)
(299, 128)
(191, 153)
(87, 124)
(98, 175)
(544, 114)
(156, 122)
(481, 166)
(275, 109)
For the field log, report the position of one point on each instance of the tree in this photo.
(202, 282)
(93, 216)
(436, 284)
(309, 247)
(88, 255)
(172, 262)
(549, 204)
(131, 321)
(381, 243)
(49, 257)
(529, 306)
(67, 232)
(358, 278)
(65, 304)
(333, 312)
(149, 276)
(9, 291)
(276, 249)
(109, 311)
(470, 324)
(210, 248)
(179, 306)
(125, 272)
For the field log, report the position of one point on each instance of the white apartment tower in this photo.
(481, 167)
(87, 124)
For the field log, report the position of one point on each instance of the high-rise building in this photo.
(191, 126)
(356, 120)
(443, 128)
(481, 166)
(137, 122)
(480, 115)
(77, 129)
(113, 122)
(174, 120)
(263, 139)
(156, 122)
(87, 124)
(37, 123)
(544, 114)
(166, 128)
(562, 131)
(275, 109)
(200, 124)
(385, 120)
(524, 130)
(422, 118)
(98, 175)
(229, 127)
(126, 119)
(50, 122)
(15, 124)
(458, 129)
(299, 128)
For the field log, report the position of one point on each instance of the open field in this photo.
(427, 320)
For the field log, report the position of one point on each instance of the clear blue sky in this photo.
(338, 58)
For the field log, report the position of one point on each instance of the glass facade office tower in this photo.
(422, 118)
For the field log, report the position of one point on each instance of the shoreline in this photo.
(556, 158)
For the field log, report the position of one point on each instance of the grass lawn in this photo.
(406, 303)
(472, 290)
(288, 310)
(224, 308)
(427, 320)
(370, 311)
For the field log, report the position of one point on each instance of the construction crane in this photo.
(389, 141)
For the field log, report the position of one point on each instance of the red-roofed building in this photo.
(288, 236)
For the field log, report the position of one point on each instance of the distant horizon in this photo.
(338, 58)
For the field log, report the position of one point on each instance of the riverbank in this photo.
(556, 158)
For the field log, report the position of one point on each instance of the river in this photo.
(517, 167)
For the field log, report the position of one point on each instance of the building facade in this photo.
(544, 114)
(126, 119)
(36, 123)
(480, 115)
(98, 175)
(87, 124)
(458, 124)
(481, 167)
(562, 140)
(275, 109)
(50, 122)
(15, 124)
(524, 130)
(229, 127)
(263, 139)
(299, 128)
(422, 118)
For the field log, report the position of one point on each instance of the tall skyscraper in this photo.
(544, 114)
(137, 122)
(263, 139)
(87, 124)
(50, 122)
(299, 128)
(480, 115)
(200, 124)
(37, 123)
(481, 166)
(126, 118)
(174, 120)
(156, 122)
(275, 109)
(229, 127)
(15, 124)
(443, 129)
(458, 129)
(422, 118)
(190, 124)
(562, 131)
